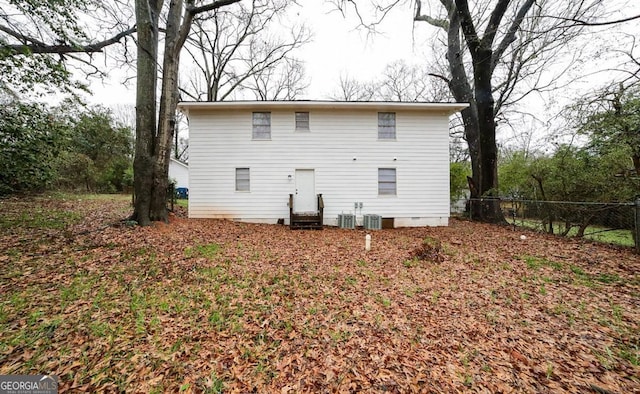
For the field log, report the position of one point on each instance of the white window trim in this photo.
(395, 183)
(395, 128)
(254, 126)
(308, 122)
(248, 180)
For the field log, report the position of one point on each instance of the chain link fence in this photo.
(614, 223)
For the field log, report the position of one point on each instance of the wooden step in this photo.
(306, 226)
(306, 221)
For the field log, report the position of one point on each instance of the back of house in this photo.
(254, 160)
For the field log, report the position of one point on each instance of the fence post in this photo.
(637, 225)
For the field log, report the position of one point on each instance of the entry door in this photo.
(305, 198)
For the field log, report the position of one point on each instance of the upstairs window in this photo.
(261, 126)
(386, 181)
(242, 180)
(302, 121)
(386, 125)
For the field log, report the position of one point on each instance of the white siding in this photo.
(179, 172)
(220, 142)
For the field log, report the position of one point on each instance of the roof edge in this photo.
(179, 162)
(345, 105)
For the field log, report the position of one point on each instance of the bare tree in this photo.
(124, 115)
(284, 81)
(237, 49)
(403, 82)
(399, 81)
(350, 89)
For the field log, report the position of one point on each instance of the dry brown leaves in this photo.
(206, 305)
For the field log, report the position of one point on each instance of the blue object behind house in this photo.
(182, 192)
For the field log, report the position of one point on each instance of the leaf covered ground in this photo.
(217, 306)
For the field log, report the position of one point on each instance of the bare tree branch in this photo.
(581, 22)
(37, 46)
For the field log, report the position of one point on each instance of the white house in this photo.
(179, 172)
(383, 158)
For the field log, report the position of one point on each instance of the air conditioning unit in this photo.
(372, 222)
(346, 220)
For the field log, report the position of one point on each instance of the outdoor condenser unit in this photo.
(372, 222)
(346, 220)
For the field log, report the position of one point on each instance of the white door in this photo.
(305, 197)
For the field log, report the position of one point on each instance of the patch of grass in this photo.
(99, 328)
(608, 278)
(616, 312)
(594, 233)
(578, 271)
(208, 251)
(616, 237)
(384, 301)
(216, 319)
(549, 371)
(435, 296)
(414, 262)
(138, 306)
(606, 358)
(213, 384)
(631, 353)
(215, 273)
(39, 218)
(563, 309)
(491, 316)
(467, 380)
(79, 288)
(536, 262)
(543, 290)
(350, 280)
(581, 277)
(410, 292)
(339, 336)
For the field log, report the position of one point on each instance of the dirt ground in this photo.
(218, 306)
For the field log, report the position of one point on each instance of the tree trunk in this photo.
(167, 112)
(479, 121)
(584, 225)
(547, 206)
(567, 227)
(147, 14)
(488, 153)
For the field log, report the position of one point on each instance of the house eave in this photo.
(447, 108)
(183, 164)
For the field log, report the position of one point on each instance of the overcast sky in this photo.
(339, 48)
